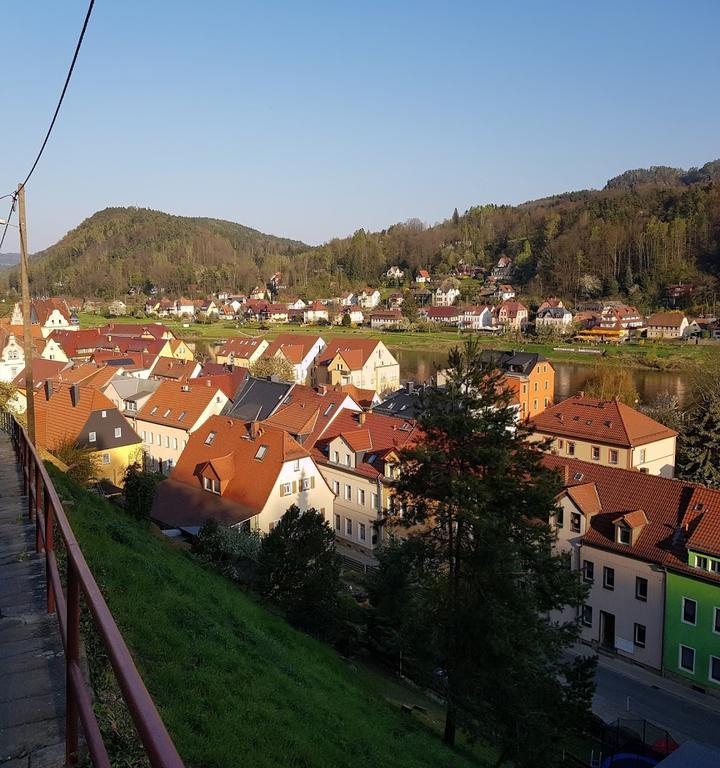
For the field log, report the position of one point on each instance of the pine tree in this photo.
(476, 500)
(456, 217)
(699, 454)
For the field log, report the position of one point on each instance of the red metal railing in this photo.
(45, 508)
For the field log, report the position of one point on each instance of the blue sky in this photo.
(313, 119)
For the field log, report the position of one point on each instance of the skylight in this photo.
(154, 410)
(182, 415)
(209, 439)
(578, 476)
(167, 413)
(328, 409)
(261, 451)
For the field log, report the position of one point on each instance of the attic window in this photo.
(390, 406)
(154, 410)
(406, 427)
(167, 413)
(371, 458)
(182, 415)
(209, 439)
(328, 409)
(624, 536)
(261, 451)
(578, 476)
(698, 507)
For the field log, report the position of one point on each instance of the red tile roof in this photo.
(295, 347)
(177, 399)
(228, 382)
(666, 320)
(604, 421)
(42, 370)
(240, 346)
(355, 352)
(170, 368)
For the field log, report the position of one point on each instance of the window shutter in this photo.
(312, 481)
(282, 489)
(294, 486)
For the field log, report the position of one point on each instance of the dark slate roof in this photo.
(405, 402)
(258, 399)
(512, 362)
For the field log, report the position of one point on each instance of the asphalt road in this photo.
(685, 713)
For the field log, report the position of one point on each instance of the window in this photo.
(306, 483)
(716, 622)
(175, 443)
(689, 611)
(686, 659)
(106, 458)
(587, 615)
(701, 562)
(285, 489)
(337, 522)
(158, 438)
(535, 404)
(595, 453)
(588, 571)
(575, 522)
(641, 588)
(348, 460)
(642, 456)
(535, 387)
(348, 493)
(714, 671)
(570, 449)
(296, 465)
(613, 456)
(560, 517)
(608, 578)
(715, 566)
(374, 500)
(167, 441)
(336, 457)
(639, 635)
(624, 536)
(361, 497)
(336, 487)
(144, 436)
(211, 484)
(362, 531)
(182, 415)
(130, 405)
(103, 414)
(348, 526)
(560, 444)
(209, 439)
(167, 413)
(260, 453)
(92, 437)
(153, 410)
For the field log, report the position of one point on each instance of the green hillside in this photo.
(235, 684)
(118, 248)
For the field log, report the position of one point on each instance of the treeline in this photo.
(647, 228)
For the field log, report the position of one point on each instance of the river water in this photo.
(570, 378)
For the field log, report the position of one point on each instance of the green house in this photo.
(692, 620)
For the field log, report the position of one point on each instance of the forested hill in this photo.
(121, 247)
(646, 228)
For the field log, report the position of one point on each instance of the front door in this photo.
(607, 629)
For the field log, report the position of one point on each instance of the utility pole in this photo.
(27, 337)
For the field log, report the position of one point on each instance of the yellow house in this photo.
(365, 363)
(177, 349)
(606, 432)
(241, 352)
(86, 418)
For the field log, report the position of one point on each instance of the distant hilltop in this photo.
(9, 259)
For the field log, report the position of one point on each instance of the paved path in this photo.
(32, 676)
(685, 713)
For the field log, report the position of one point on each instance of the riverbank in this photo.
(653, 355)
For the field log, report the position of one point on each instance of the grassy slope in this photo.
(234, 683)
(647, 355)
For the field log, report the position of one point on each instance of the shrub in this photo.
(82, 463)
(140, 490)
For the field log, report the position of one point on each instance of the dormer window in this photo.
(212, 485)
(701, 562)
(209, 439)
(624, 536)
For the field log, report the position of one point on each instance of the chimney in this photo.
(255, 430)
(409, 387)
(48, 389)
(361, 417)
(74, 394)
(581, 393)
(321, 389)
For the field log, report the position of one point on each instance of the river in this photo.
(570, 378)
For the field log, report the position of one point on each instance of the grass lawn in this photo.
(646, 355)
(235, 684)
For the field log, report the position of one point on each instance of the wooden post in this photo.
(72, 656)
(27, 337)
(49, 547)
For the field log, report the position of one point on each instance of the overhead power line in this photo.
(7, 221)
(62, 95)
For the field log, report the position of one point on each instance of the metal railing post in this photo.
(49, 548)
(72, 656)
(39, 543)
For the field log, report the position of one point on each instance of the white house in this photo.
(394, 273)
(12, 357)
(554, 320)
(300, 350)
(369, 298)
(315, 312)
(445, 297)
(476, 318)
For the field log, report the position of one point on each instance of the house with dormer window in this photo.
(365, 363)
(242, 474)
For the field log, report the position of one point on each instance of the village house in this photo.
(528, 375)
(129, 394)
(620, 316)
(295, 304)
(276, 313)
(667, 325)
(48, 314)
(175, 370)
(503, 292)
(649, 549)
(368, 298)
(184, 307)
(678, 293)
(12, 356)
(503, 269)
(384, 319)
(443, 315)
(170, 415)
(315, 313)
(258, 293)
(551, 303)
(422, 277)
(208, 308)
(476, 318)
(86, 418)
(241, 351)
(348, 298)
(607, 432)
(300, 350)
(394, 273)
(240, 473)
(356, 315)
(358, 456)
(366, 363)
(445, 296)
(557, 320)
(512, 316)
(395, 300)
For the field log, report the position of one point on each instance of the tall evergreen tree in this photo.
(476, 501)
(456, 217)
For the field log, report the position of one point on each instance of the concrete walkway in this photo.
(32, 672)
